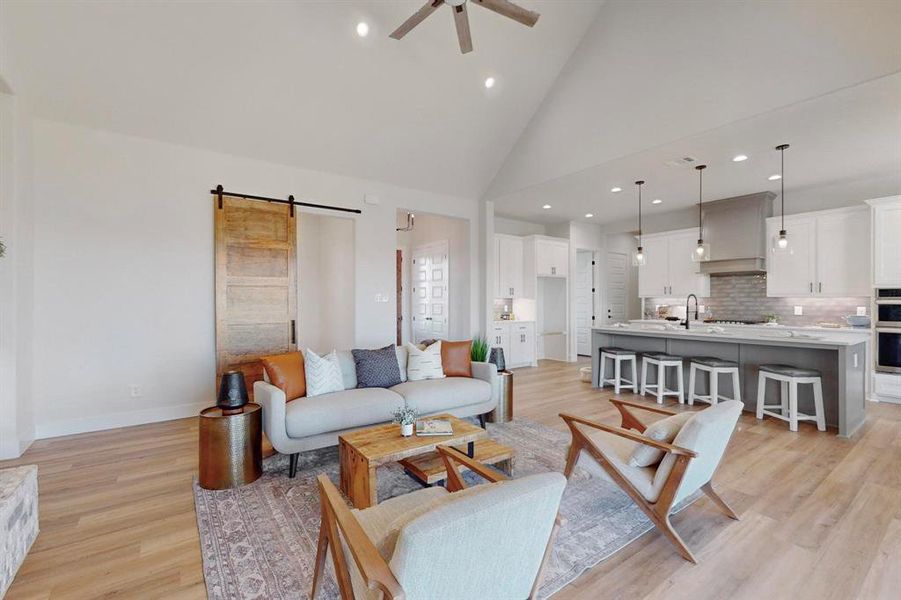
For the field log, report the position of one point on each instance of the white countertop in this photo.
(822, 336)
(741, 326)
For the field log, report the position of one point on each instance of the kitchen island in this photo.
(841, 359)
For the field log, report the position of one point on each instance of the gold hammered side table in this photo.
(231, 447)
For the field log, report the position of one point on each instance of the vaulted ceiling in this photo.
(596, 95)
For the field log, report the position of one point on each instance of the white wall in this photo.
(123, 269)
(517, 227)
(463, 275)
(325, 282)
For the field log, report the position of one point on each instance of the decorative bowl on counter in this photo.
(862, 321)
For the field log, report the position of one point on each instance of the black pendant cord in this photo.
(220, 192)
(700, 169)
(639, 184)
(781, 148)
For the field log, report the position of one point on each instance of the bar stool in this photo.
(662, 361)
(714, 367)
(618, 356)
(789, 378)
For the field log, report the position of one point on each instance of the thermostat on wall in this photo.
(370, 199)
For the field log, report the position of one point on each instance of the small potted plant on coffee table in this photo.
(406, 416)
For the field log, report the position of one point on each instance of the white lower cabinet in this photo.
(517, 339)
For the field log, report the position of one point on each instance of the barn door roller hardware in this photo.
(219, 192)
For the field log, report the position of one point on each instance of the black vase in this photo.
(232, 391)
(497, 358)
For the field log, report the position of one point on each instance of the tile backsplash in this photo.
(743, 297)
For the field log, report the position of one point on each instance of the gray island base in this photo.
(841, 360)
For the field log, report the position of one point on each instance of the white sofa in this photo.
(316, 422)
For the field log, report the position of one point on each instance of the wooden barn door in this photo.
(256, 284)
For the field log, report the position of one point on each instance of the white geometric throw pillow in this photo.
(424, 364)
(323, 373)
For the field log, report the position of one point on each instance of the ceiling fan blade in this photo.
(461, 20)
(417, 18)
(508, 9)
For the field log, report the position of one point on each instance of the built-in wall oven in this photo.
(888, 330)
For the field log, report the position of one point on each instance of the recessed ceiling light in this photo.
(589, 215)
(739, 158)
(362, 29)
(657, 201)
(616, 189)
(775, 177)
(489, 82)
(546, 206)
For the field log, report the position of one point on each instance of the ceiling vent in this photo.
(682, 161)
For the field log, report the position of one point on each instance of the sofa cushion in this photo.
(424, 364)
(377, 368)
(286, 372)
(348, 368)
(402, 361)
(323, 373)
(340, 410)
(436, 395)
(456, 358)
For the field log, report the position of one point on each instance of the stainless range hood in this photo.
(735, 228)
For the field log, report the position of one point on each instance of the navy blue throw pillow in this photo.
(377, 368)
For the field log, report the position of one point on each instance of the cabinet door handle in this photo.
(553, 270)
(811, 287)
(821, 287)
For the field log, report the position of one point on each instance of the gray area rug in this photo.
(259, 541)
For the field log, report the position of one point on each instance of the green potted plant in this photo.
(480, 349)
(405, 416)
(2, 248)
(771, 318)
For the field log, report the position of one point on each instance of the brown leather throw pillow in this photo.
(285, 371)
(456, 358)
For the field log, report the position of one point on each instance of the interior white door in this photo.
(615, 287)
(584, 300)
(430, 292)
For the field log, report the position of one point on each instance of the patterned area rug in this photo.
(259, 541)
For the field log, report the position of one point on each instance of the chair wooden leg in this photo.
(667, 529)
(572, 455)
(711, 493)
(292, 465)
(321, 555)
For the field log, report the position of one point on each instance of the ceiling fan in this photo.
(461, 18)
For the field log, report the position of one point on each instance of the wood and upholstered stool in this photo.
(618, 356)
(789, 378)
(714, 367)
(662, 361)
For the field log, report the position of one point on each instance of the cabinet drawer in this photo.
(887, 385)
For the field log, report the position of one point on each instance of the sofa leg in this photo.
(292, 465)
(482, 421)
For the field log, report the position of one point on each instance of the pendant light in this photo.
(639, 258)
(702, 250)
(781, 244)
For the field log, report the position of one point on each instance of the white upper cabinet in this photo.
(551, 258)
(886, 220)
(829, 256)
(669, 270)
(509, 261)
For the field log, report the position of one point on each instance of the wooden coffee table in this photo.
(361, 452)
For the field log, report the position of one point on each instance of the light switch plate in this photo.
(861, 311)
(799, 310)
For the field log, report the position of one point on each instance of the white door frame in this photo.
(441, 246)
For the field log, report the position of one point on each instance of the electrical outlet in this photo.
(135, 390)
(861, 311)
(799, 310)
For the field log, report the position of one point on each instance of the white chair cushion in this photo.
(424, 364)
(664, 430)
(437, 395)
(323, 373)
(618, 451)
(339, 411)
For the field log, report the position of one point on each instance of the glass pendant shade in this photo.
(701, 252)
(639, 257)
(781, 243)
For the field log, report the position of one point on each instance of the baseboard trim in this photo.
(75, 425)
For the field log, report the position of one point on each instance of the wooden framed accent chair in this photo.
(659, 464)
(485, 541)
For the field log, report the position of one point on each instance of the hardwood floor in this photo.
(821, 516)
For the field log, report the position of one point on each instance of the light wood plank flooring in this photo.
(821, 517)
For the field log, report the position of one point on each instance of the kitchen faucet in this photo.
(687, 304)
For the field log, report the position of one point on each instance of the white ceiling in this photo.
(597, 94)
(653, 81)
(291, 82)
